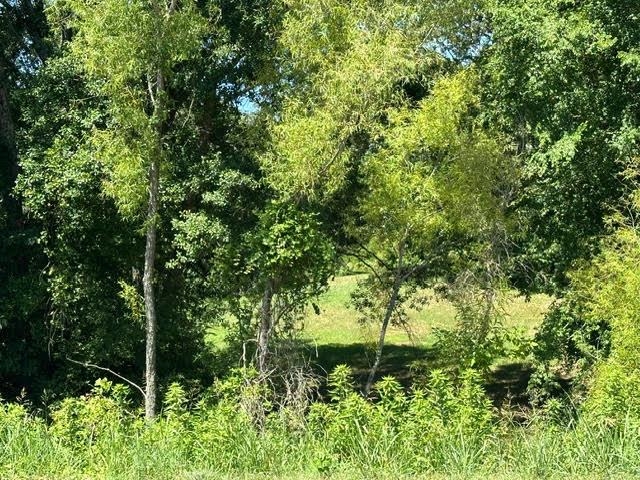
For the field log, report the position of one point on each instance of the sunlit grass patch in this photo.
(338, 323)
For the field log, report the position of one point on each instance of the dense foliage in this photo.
(433, 431)
(180, 181)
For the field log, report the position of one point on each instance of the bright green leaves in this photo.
(609, 291)
(349, 62)
(434, 172)
(352, 62)
(113, 41)
(631, 58)
(289, 245)
(320, 34)
(437, 120)
(121, 41)
(128, 48)
(126, 167)
(377, 110)
(310, 154)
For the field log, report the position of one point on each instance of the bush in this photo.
(79, 422)
(445, 427)
(610, 288)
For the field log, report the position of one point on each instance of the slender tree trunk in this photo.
(391, 306)
(264, 329)
(383, 332)
(160, 114)
(149, 292)
(150, 253)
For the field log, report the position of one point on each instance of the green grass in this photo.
(336, 337)
(337, 323)
(199, 446)
(95, 441)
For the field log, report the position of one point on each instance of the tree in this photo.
(132, 49)
(431, 185)
(372, 105)
(558, 78)
(292, 258)
(80, 299)
(86, 247)
(273, 257)
(22, 292)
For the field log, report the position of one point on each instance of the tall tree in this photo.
(86, 306)
(431, 190)
(558, 76)
(561, 79)
(22, 292)
(133, 50)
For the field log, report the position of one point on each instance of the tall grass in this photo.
(441, 431)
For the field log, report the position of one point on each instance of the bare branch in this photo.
(150, 89)
(366, 264)
(98, 367)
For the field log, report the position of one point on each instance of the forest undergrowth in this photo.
(239, 429)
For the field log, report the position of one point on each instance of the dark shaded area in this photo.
(396, 360)
(506, 384)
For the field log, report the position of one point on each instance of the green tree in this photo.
(273, 257)
(558, 78)
(251, 259)
(431, 183)
(132, 49)
(84, 286)
(292, 258)
(22, 291)
(87, 247)
(373, 110)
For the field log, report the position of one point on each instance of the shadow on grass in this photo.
(396, 360)
(506, 384)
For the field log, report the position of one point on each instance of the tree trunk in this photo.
(383, 332)
(150, 254)
(160, 115)
(266, 324)
(149, 292)
(391, 306)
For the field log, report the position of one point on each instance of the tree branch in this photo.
(98, 367)
(376, 257)
(366, 264)
(150, 90)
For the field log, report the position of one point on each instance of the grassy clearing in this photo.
(337, 322)
(336, 337)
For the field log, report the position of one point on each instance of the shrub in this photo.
(81, 421)
(610, 292)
